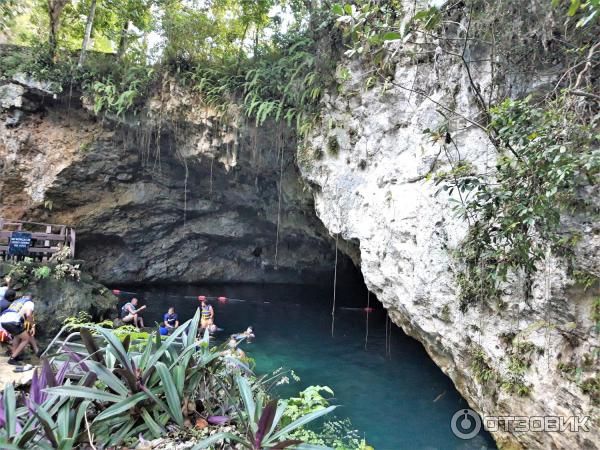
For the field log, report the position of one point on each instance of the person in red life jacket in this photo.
(131, 313)
(14, 320)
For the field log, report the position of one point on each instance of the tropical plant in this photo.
(262, 422)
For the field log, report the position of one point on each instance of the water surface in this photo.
(399, 399)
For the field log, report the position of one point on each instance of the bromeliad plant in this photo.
(141, 392)
(42, 420)
(108, 391)
(262, 423)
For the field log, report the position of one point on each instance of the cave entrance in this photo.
(388, 387)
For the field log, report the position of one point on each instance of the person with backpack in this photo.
(17, 320)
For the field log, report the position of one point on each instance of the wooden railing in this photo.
(39, 240)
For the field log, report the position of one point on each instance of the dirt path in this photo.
(7, 374)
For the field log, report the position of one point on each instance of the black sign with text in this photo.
(19, 243)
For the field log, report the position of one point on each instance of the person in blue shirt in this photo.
(171, 319)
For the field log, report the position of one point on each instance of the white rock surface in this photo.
(374, 192)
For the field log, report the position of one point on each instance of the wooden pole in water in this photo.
(334, 286)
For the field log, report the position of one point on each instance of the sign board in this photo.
(19, 243)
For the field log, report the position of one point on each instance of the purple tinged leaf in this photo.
(47, 375)
(2, 415)
(75, 357)
(90, 344)
(218, 420)
(265, 422)
(62, 374)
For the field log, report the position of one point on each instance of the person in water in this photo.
(17, 320)
(131, 313)
(207, 314)
(171, 320)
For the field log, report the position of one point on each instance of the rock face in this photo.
(368, 163)
(175, 197)
(55, 300)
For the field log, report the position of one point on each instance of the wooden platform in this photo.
(46, 238)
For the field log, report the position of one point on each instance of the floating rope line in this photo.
(334, 286)
(219, 299)
(368, 310)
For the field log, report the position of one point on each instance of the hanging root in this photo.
(367, 320)
(334, 287)
(280, 155)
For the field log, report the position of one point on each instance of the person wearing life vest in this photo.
(207, 313)
(14, 320)
(131, 313)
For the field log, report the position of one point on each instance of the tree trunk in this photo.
(123, 39)
(88, 31)
(55, 8)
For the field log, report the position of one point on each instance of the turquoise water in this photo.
(398, 401)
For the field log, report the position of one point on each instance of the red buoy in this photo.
(201, 298)
(116, 291)
(222, 299)
(368, 310)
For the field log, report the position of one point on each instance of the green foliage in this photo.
(39, 273)
(585, 279)
(333, 146)
(121, 95)
(9, 9)
(596, 313)
(515, 385)
(587, 11)
(591, 387)
(126, 391)
(541, 165)
(480, 368)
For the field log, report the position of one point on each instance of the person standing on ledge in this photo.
(171, 320)
(131, 313)
(207, 313)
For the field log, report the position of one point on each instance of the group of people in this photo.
(131, 314)
(17, 323)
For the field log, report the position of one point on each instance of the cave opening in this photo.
(387, 384)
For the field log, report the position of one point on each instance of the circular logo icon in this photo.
(465, 424)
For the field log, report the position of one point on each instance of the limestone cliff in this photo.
(178, 194)
(370, 164)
